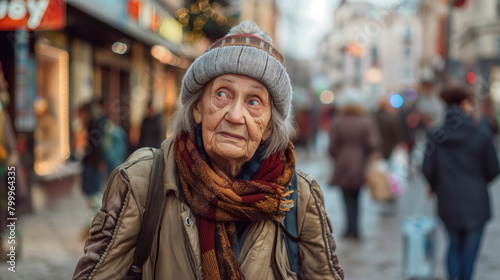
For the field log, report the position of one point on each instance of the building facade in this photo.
(375, 50)
(477, 45)
(128, 52)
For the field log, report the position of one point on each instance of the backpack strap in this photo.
(151, 216)
(290, 229)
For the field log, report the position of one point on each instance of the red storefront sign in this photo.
(459, 3)
(32, 14)
(134, 9)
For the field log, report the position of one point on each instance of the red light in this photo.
(459, 3)
(471, 78)
(355, 49)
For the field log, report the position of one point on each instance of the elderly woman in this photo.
(229, 172)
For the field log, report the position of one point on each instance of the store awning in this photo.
(95, 9)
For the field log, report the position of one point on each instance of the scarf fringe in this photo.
(286, 204)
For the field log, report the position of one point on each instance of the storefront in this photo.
(125, 69)
(79, 51)
(35, 70)
(51, 103)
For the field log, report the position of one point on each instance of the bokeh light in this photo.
(471, 78)
(373, 75)
(327, 97)
(396, 101)
(119, 47)
(411, 94)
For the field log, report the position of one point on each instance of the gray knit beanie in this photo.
(246, 50)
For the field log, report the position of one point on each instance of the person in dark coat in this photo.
(389, 126)
(460, 160)
(94, 118)
(391, 134)
(354, 137)
(151, 129)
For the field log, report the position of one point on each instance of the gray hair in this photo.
(281, 127)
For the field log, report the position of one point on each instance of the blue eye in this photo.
(254, 103)
(221, 94)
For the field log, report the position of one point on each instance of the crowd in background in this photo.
(459, 160)
(106, 145)
(358, 136)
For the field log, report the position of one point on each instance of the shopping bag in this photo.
(419, 230)
(419, 247)
(377, 180)
(397, 184)
(398, 171)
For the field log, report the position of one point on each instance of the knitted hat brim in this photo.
(242, 60)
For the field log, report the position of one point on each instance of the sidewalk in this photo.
(48, 242)
(51, 244)
(379, 255)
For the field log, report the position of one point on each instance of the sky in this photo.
(304, 22)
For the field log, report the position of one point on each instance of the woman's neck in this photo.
(228, 168)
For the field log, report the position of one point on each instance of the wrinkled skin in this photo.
(235, 113)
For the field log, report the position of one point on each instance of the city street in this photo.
(51, 236)
(379, 255)
(83, 83)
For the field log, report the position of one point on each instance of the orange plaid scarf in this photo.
(219, 201)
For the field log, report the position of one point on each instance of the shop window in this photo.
(51, 108)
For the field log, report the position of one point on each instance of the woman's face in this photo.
(234, 113)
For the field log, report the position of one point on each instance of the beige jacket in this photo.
(109, 251)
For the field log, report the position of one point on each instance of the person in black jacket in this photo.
(460, 160)
(151, 129)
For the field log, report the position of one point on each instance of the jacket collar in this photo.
(170, 167)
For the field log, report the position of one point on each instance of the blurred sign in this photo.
(355, 49)
(153, 17)
(171, 29)
(24, 83)
(32, 14)
(134, 6)
(459, 3)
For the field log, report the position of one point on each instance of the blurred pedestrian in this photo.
(388, 122)
(114, 145)
(94, 166)
(412, 123)
(151, 129)
(460, 160)
(390, 128)
(228, 172)
(430, 107)
(354, 139)
(487, 116)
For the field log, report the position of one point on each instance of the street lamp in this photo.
(373, 75)
(356, 50)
